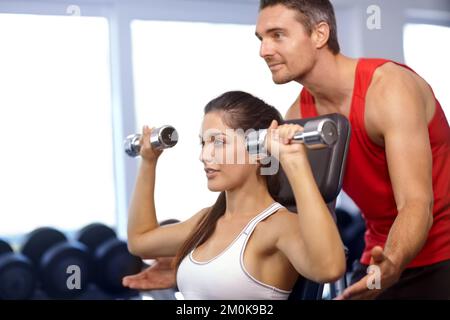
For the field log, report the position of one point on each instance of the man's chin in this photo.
(279, 80)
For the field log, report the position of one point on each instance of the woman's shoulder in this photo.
(195, 219)
(281, 221)
(278, 224)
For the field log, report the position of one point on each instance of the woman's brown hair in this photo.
(240, 110)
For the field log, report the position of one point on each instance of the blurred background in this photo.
(77, 77)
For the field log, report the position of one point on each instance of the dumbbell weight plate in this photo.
(4, 247)
(64, 265)
(115, 262)
(39, 241)
(324, 133)
(53, 255)
(17, 275)
(93, 235)
(111, 257)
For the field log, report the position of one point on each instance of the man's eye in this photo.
(218, 142)
(278, 35)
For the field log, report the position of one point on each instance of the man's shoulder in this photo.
(395, 91)
(393, 76)
(390, 82)
(389, 73)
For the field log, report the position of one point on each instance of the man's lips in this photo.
(275, 66)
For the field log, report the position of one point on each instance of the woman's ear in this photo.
(258, 159)
(255, 159)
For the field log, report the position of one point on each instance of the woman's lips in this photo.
(211, 173)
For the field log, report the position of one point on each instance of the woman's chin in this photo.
(214, 187)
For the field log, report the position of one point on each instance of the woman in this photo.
(246, 245)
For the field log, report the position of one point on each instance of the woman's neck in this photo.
(247, 200)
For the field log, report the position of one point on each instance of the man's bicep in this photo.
(408, 149)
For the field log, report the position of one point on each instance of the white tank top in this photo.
(224, 277)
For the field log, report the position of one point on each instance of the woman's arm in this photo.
(145, 237)
(311, 242)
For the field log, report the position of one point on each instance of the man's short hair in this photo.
(311, 13)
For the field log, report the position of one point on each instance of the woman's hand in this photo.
(278, 141)
(147, 152)
(160, 275)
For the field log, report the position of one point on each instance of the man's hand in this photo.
(388, 272)
(160, 275)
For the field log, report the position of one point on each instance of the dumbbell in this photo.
(161, 138)
(111, 258)
(166, 222)
(316, 134)
(57, 260)
(17, 274)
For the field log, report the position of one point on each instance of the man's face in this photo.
(285, 45)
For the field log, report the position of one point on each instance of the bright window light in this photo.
(55, 123)
(178, 68)
(427, 51)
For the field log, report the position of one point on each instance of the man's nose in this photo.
(266, 50)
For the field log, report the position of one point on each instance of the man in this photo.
(398, 169)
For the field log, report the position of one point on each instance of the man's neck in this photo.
(331, 80)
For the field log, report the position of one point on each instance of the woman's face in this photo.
(224, 156)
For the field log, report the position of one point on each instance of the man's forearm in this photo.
(408, 234)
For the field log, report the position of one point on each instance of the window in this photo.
(178, 68)
(427, 51)
(55, 123)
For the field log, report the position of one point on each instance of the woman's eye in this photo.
(218, 142)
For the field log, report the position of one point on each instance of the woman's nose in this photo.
(207, 153)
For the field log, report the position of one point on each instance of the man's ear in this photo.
(321, 34)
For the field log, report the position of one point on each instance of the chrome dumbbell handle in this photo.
(161, 138)
(317, 134)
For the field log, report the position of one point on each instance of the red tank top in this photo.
(367, 180)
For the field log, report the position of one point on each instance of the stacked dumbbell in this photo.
(51, 266)
(17, 274)
(110, 256)
(63, 267)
